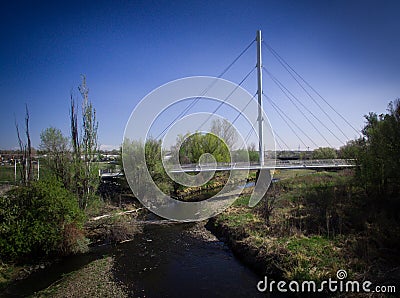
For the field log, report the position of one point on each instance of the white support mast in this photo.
(259, 93)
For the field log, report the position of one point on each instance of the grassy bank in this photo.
(93, 280)
(310, 225)
(106, 222)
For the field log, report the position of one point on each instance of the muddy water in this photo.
(176, 260)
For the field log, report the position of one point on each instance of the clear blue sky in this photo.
(348, 50)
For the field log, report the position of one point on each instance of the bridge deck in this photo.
(270, 165)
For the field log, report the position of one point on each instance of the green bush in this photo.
(35, 220)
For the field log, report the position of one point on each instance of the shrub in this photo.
(35, 220)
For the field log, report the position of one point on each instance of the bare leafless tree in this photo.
(225, 130)
(26, 150)
(74, 128)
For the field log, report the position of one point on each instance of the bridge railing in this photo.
(271, 163)
(317, 162)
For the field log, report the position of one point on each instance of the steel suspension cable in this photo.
(275, 134)
(281, 113)
(285, 91)
(246, 139)
(194, 101)
(284, 143)
(311, 87)
(279, 145)
(241, 113)
(288, 68)
(226, 98)
(244, 108)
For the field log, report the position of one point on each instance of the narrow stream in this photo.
(173, 260)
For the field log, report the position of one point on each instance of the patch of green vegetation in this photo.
(38, 220)
(288, 174)
(242, 201)
(258, 236)
(238, 219)
(95, 207)
(105, 165)
(7, 273)
(7, 172)
(314, 181)
(252, 174)
(306, 235)
(312, 258)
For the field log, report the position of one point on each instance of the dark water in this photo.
(164, 261)
(171, 263)
(43, 278)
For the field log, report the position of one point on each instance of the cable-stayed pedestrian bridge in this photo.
(316, 164)
(313, 111)
(309, 114)
(312, 164)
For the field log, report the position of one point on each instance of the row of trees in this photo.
(188, 149)
(46, 217)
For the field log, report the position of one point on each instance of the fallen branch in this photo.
(116, 214)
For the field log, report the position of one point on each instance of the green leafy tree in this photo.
(245, 155)
(132, 155)
(194, 146)
(324, 153)
(156, 167)
(56, 148)
(379, 158)
(352, 149)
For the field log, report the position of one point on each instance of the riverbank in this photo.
(93, 280)
(318, 223)
(115, 225)
(97, 279)
(166, 260)
(311, 232)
